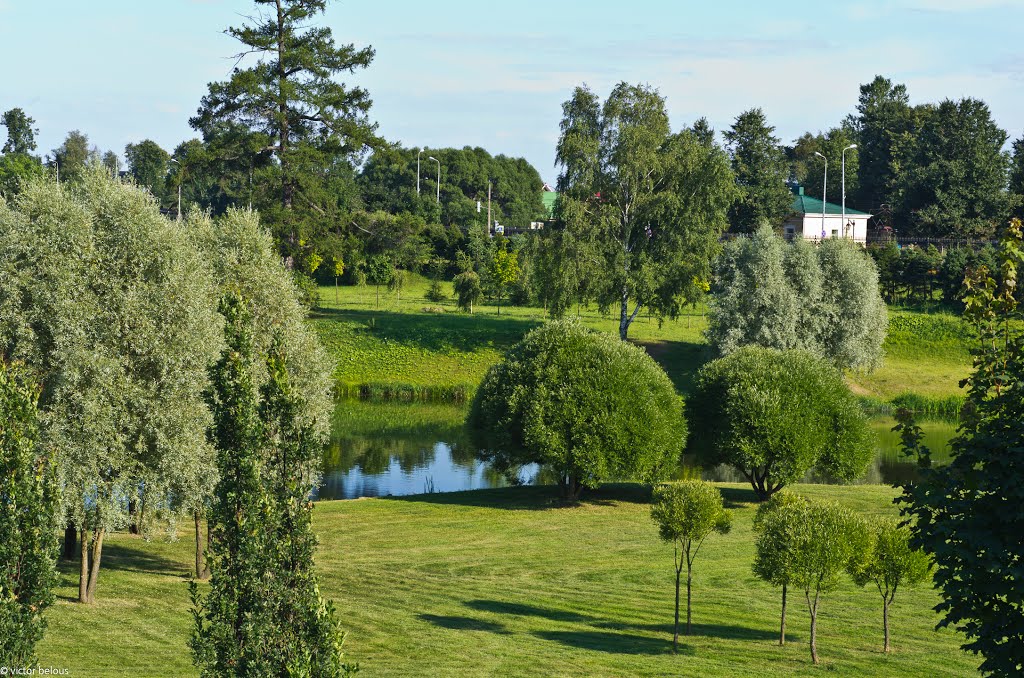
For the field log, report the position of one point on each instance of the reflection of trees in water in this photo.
(889, 467)
(370, 436)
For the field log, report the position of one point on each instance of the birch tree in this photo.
(653, 202)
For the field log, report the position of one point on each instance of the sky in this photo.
(457, 73)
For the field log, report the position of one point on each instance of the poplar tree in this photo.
(263, 614)
(28, 543)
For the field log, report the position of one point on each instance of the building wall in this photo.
(811, 227)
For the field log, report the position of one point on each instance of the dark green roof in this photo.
(549, 198)
(805, 204)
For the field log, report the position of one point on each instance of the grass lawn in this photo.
(419, 345)
(508, 582)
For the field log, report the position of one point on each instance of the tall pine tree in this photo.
(297, 129)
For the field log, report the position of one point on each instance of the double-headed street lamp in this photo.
(844, 186)
(824, 193)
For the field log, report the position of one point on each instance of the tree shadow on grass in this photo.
(612, 643)
(737, 497)
(456, 623)
(533, 497)
(127, 559)
(525, 610)
(435, 332)
(723, 631)
(679, 359)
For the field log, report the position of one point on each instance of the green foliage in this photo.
(824, 538)
(468, 290)
(286, 124)
(388, 182)
(21, 135)
(970, 512)
(112, 306)
(436, 292)
(504, 271)
(777, 524)
(889, 563)
(263, 614)
(686, 513)
(72, 156)
(28, 524)
(953, 172)
(148, 165)
(578, 402)
(823, 299)
(15, 170)
(808, 169)
(759, 163)
(774, 415)
(883, 117)
(652, 203)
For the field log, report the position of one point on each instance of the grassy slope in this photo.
(504, 582)
(401, 343)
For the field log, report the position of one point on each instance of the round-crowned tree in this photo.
(774, 415)
(583, 404)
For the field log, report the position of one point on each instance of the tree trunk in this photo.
(83, 572)
(199, 545)
(814, 626)
(689, 584)
(782, 626)
(571, 487)
(625, 317)
(70, 541)
(133, 514)
(885, 622)
(675, 636)
(94, 571)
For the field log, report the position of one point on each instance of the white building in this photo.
(813, 220)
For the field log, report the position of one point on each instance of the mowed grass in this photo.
(510, 582)
(421, 344)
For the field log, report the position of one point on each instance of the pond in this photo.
(379, 449)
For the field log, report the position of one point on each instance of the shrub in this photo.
(436, 293)
(774, 415)
(589, 407)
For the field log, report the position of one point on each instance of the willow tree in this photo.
(113, 308)
(242, 259)
(653, 203)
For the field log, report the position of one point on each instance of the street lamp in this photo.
(824, 193)
(430, 157)
(418, 171)
(844, 187)
(180, 169)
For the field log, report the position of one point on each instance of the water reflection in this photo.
(379, 449)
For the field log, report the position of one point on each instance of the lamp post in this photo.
(180, 169)
(418, 171)
(844, 187)
(430, 157)
(824, 193)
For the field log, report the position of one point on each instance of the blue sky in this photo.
(495, 74)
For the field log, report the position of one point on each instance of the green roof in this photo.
(549, 198)
(805, 204)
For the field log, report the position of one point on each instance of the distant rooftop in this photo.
(549, 198)
(805, 204)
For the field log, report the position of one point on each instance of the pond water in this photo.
(380, 449)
